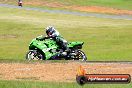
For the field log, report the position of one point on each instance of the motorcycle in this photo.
(48, 49)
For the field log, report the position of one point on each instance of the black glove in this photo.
(40, 39)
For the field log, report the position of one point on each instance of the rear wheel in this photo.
(34, 55)
(80, 56)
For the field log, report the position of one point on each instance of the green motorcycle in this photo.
(48, 49)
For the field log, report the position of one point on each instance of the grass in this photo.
(119, 4)
(105, 39)
(35, 84)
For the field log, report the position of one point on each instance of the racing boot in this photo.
(65, 52)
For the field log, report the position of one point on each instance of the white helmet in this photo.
(51, 31)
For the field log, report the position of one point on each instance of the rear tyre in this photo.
(34, 55)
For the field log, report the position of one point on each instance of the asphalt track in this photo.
(124, 17)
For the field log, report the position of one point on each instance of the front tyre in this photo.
(34, 55)
(81, 56)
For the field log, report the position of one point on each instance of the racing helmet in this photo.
(51, 31)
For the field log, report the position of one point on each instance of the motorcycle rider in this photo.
(20, 3)
(54, 34)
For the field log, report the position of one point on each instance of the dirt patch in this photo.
(48, 4)
(95, 9)
(8, 36)
(98, 9)
(62, 72)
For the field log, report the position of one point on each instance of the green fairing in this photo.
(48, 44)
(72, 44)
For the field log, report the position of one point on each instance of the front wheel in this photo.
(80, 55)
(34, 55)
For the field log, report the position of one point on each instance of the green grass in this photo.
(105, 39)
(35, 84)
(119, 4)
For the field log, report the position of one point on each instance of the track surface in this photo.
(125, 17)
(60, 72)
